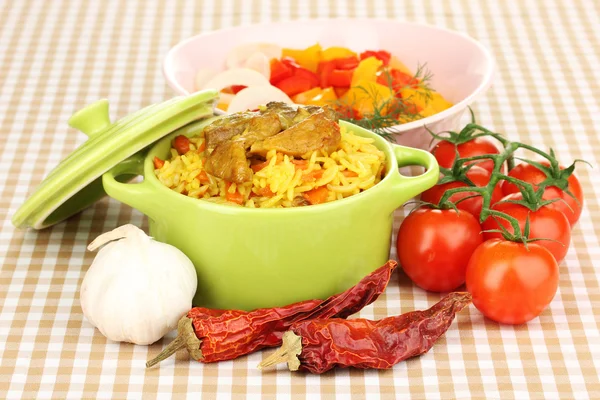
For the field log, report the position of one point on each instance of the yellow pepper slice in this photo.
(308, 58)
(397, 64)
(331, 53)
(302, 98)
(366, 96)
(366, 70)
(316, 97)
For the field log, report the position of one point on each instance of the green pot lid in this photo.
(76, 182)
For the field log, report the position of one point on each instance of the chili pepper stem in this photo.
(186, 339)
(288, 352)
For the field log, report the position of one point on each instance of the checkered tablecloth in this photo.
(57, 56)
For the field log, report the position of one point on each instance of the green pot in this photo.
(251, 258)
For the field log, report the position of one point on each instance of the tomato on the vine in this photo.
(511, 283)
(480, 177)
(434, 247)
(568, 205)
(544, 223)
(445, 152)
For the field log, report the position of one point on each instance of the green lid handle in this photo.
(91, 119)
(410, 186)
(137, 195)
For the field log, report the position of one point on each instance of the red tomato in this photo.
(434, 247)
(569, 206)
(444, 152)
(511, 283)
(480, 177)
(545, 223)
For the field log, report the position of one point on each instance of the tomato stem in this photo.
(532, 196)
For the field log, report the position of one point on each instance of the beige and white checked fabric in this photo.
(57, 56)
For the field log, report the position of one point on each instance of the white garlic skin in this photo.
(137, 289)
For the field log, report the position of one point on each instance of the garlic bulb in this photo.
(137, 289)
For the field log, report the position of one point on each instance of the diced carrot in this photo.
(300, 164)
(181, 144)
(349, 174)
(266, 192)
(202, 147)
(316, 196)
(313, 175)
(235, 197)
(203, 177)
(158, 163)
(259, 166)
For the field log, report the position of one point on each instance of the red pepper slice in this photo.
(399, 80)
(340, 77)
(382, 55)
(296, 84)
(325, 70)
(236, 88)
(306, 74)
(346, 62)
(280, 71)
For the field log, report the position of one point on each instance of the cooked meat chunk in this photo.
(260, 128)
(285, 112)
(313, 133)
(290, 115)
(228, 161)
(226, 128)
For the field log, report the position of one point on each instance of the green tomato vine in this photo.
(532, 197)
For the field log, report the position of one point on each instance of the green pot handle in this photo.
(137, 195)
(410, 186)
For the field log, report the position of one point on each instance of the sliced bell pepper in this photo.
(340, 77)
(295, 84)
(415, 96)
(280, 71)
(308, 58)
(366, 70)
(306, 74)
(236, 88)
(316, 97)
(382, 55)
(302, 98)
(365, 96)
(345, 62)
(397, 80)
(395, 63)
(332, 53)
(340, 91)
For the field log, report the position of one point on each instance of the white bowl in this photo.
(462, 68)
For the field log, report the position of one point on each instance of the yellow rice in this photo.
(284, 179)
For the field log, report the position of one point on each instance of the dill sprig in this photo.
(388, 113)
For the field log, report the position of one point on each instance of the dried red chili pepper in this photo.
(319, 345)
(215, 335)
